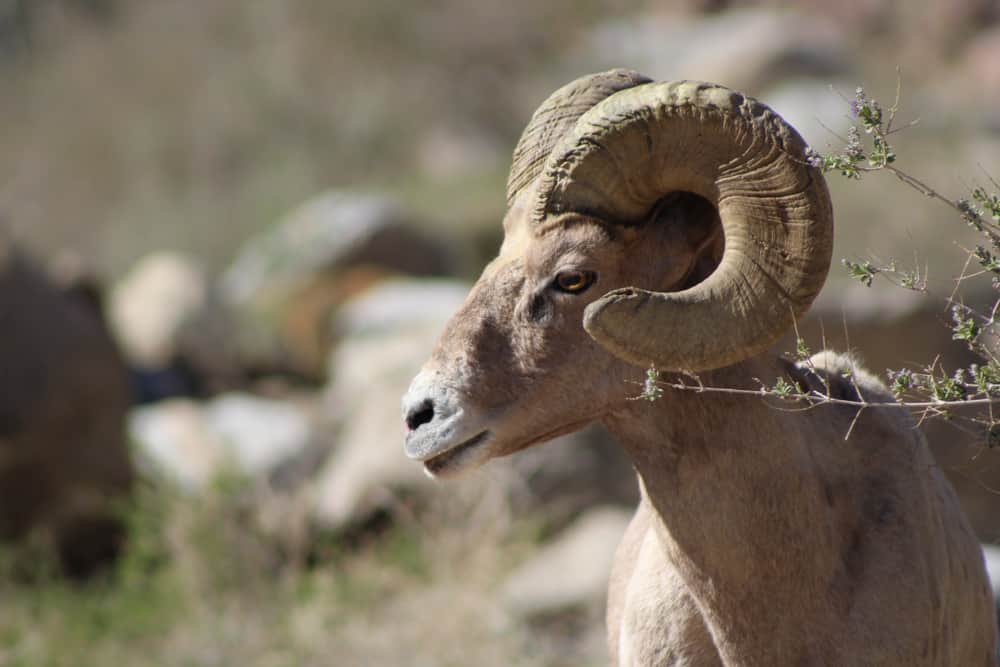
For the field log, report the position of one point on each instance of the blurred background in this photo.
(230, 231)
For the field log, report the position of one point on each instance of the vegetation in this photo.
(192, 125)
(189, 125)
(930, 390)
(203, 581)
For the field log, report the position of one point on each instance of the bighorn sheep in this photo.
(679, 224)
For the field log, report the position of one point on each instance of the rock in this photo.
(747, 49)
(259, 434)
(191, 443)
(64, 461)
(446, 152)
(367, 469)
(175, 332)
(387, 334)
(866, 306)
(919, 34)
(815, 108)
(932, 33)
(571, 571)
(333, 230)
(175, 441)
(287, 281)
(970, 89)
(395, 304)
(151, 305)
(991, 554)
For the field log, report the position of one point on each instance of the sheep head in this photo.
(674, 224)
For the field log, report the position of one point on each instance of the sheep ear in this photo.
(685, 229)
(692, 220)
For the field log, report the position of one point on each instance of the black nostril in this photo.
(419, 415)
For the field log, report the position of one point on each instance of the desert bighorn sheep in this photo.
(679, 224)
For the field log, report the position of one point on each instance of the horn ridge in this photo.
(635, 146)
(557, 114)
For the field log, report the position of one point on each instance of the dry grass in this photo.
(190, 124)
(202, 583)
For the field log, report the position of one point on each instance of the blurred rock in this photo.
(972, 86)
(387, 334)
(191, 443)
(394, 304)
(572, 570)
(286, 281)
(814, 108)
(982, 60)
(259, 434)
(445, 152)
(63, 398)
(152, 303)
(175, 333)
(863, 306)
(747, 49)
(333, 230)
(918, 33)
(174, 440)
(991, 554)
(932, 32)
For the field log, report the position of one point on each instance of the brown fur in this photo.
(763, 537)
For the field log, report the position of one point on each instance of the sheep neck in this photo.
(741, 510)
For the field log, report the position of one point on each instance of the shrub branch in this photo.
(930, 392)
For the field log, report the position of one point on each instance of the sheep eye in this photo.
(574, 282)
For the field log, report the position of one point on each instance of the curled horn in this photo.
(636, 146)
(555, 116)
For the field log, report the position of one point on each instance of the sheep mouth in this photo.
(453, 459)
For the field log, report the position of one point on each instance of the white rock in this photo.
(151, 305)
(191, 443)
(398, 304)
(285, 281)
(571, 571)
(816, 108)
(992, 555)
(175, 440)
(390, 332)
(258, 434)
(368, 465)
(744, 49)
(861, 304)
(331, 230)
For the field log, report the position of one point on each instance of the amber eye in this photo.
(574, 282)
